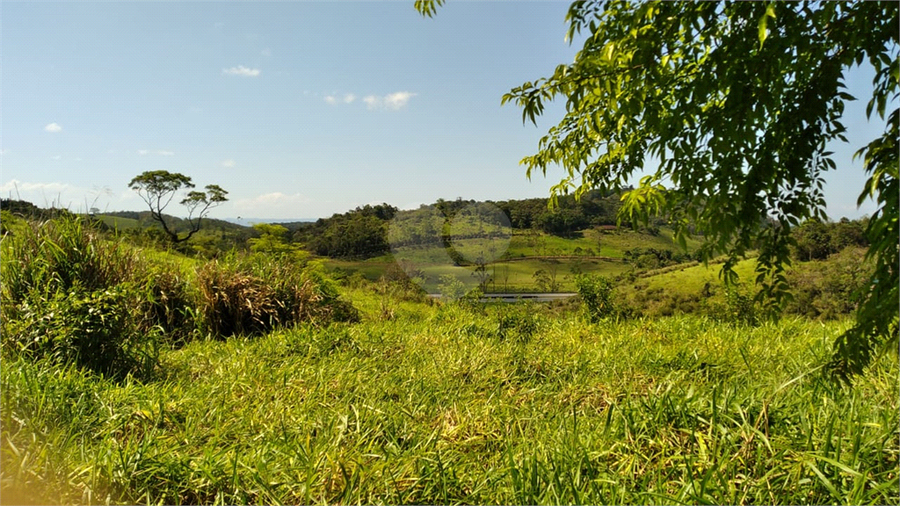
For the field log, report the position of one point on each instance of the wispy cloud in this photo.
(266, 52)
(228, 164)
(56, 157)
(331, 99)
(349, 98)
(398, 100)
(241, 70)
(53, 128)
(393, 101)
(160, 152)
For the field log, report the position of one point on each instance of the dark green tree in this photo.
(732, 105)
(157, 188)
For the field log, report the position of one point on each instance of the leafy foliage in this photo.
(70, 296)
(98, 330)
(830, 288)
(734, 104)
(738, 307)
(596, 294)
(360, 233)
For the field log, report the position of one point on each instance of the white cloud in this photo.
(53, 128)
(143, 152)
(160, 152)
(57, 157)
(228, 164)
(348, 98)
(397, 100)
(165, 153)
(393, 101)
(266, 52)
(241, 70)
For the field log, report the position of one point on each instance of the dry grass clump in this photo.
(254, 294)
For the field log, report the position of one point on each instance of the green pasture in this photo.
(441, 404)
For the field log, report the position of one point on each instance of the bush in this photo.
(596, 294)
(253, 294)
(829, 288)
(68, 295)
(167, 302)
(59, 254)
(518, 322)
(97, 330)
(738, 307)
(451, 288)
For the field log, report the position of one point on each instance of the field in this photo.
(118, 222)
(593, 252)
(444, 404)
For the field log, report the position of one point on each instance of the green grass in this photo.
(515, 275)
(525, 258)
(679, 288)
(434, 406)
(118, 223)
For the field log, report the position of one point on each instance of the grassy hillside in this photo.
(592, 251)
(120, 223)
(679, 288)
(445, 405)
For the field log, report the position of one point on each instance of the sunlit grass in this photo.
(436, 406)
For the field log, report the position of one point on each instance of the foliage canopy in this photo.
(733, 104)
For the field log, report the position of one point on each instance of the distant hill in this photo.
(249, 222)
(143, 219)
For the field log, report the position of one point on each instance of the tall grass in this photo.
(70, 296)
(74, 296)
(253, 294)
(453, 406)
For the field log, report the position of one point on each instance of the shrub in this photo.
(596, 294)
(738, 307)
(167, 302)
(451, 288)
(253, 294)
(518, 322)
(68, 296)
(97, 330)
(829, 288)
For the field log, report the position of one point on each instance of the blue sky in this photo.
(298, 109)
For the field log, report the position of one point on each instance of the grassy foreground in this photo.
(451, 405)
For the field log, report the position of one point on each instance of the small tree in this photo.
(158, 187)
(597, 296)
(271, 240)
